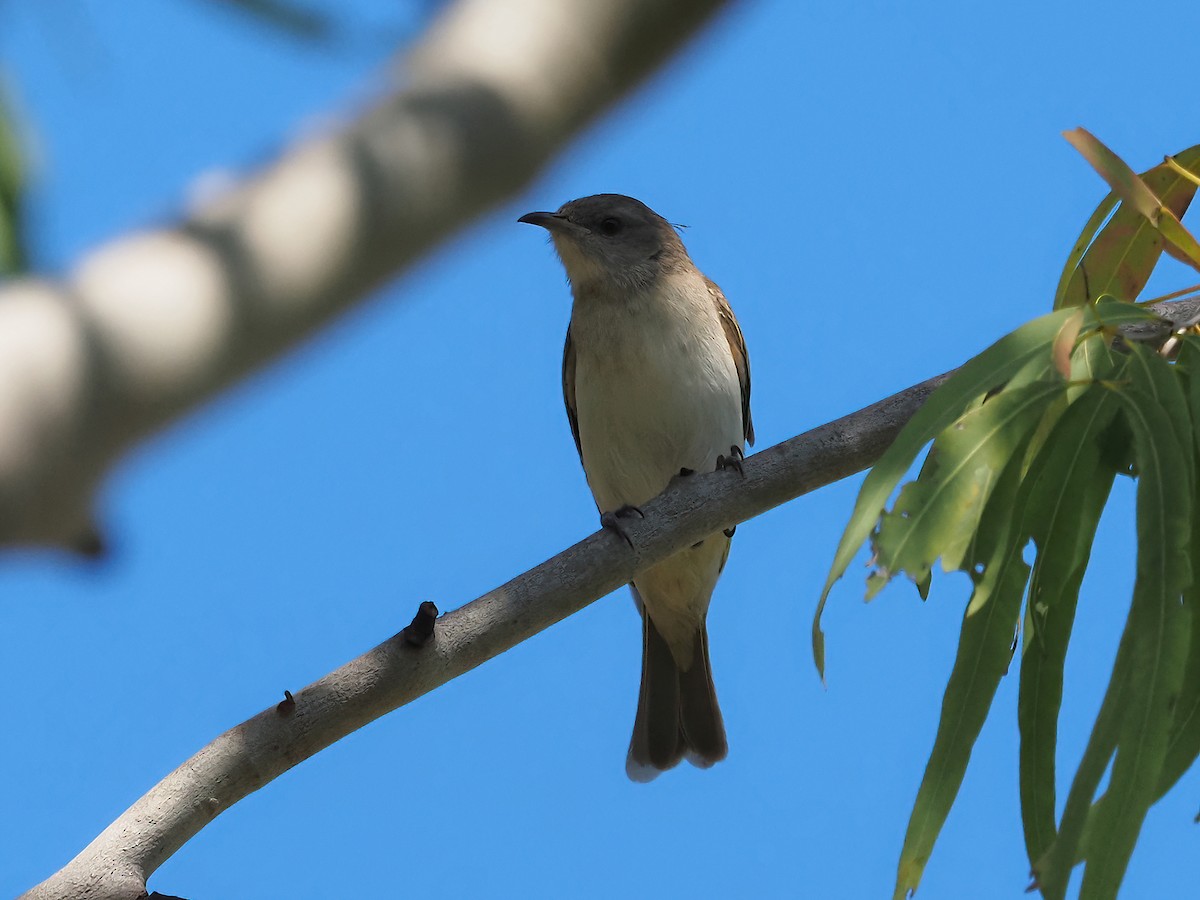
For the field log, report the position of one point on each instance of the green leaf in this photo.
(984, 652)
(1180, 238)
(1184, 742)
(990, 369)
(1069, 492)
(1073, 283)
(938, 514)
(1159, 378)
(1053, 870)
(1025, 354)
(1136, 716)
(1120, 259)
(1160, 634)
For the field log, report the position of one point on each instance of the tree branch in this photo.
(116, 864)
(155, 323)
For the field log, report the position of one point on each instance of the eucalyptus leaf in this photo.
(984, 651)
(1184, 741)
(939, 513)
(1160, 631)
(990, 369)
(1067, 498)
(1119, 258)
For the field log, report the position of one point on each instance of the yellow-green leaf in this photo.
(1122, 179)
(1119, 260)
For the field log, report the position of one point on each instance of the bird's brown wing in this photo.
(737, 346)
(568, 379)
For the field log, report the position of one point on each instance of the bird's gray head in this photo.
(610, 240)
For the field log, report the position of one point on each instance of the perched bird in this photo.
(657, 385)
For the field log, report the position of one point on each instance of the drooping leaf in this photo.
(990, 369)
(939, 513)
(1184, 742)
(1063, 512)
(1053, 870)
(1158, 378)
(1026, 351)
(984, 651)
(1160, 630)
(1136, 714)
(1119, 260)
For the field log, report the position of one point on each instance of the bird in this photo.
(656, 382)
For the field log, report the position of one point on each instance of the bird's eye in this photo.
(610, 226)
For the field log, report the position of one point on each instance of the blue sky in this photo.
(881, 190)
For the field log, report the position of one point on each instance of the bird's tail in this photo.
(677, 714)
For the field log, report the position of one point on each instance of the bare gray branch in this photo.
(116, 865)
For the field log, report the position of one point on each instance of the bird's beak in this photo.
(552, 222)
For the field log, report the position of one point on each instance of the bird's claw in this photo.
(732, 461)
(612, 521)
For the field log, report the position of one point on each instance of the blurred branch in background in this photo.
(155, 323)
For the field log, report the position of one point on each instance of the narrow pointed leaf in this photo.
(939, 513)
(1064, 343)
(984, 651)
(1025, 351)
(1180, 238)
(1072, 285)
(1159, 379)
(1063, 513)
(1184, 742)
(1053, 870)
(1119, 260)
(1159, 634)
(1122, 179)
(986, 371)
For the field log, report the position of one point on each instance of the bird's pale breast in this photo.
(656, 390)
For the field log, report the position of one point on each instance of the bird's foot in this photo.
(612, 521)
(732, 461)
